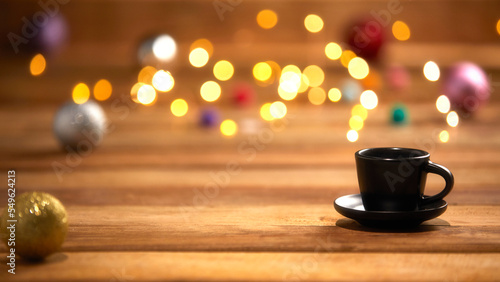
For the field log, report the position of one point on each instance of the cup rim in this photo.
(422, 154)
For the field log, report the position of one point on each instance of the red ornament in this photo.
(244, 95)
(366, 38)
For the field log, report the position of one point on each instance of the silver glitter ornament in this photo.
(80, 126)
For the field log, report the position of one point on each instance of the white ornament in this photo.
(80, 126)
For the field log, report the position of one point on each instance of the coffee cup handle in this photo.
(448, 178)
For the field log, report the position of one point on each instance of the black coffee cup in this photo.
(393, 179)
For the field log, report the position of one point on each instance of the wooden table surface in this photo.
(162, 199)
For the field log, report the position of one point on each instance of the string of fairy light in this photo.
(291, 80)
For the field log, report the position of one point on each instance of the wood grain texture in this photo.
(144, 212)
(244, 226)
(245, 266)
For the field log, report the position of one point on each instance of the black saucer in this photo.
(351, 206)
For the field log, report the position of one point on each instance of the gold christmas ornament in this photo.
(41, 226)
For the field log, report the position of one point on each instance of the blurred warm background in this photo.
(231, 128)
(102, 41)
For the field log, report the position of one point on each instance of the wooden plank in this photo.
(158, 178)
(270, 227)
(299, 115)
(55, 86)
(244, 196)
(266, 156)
(238, 266)
(304, 129)
(229, 195)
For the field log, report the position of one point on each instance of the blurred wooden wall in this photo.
(105, 35)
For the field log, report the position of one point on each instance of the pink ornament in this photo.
(397, 77)
(45, 34)
(467, 87)
(54, 34)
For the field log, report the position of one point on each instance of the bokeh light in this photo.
(102, 90)
(262, 71)
(316, 96)
(164, 48)
(333, 51)
(369, 99)
(444, 136)
(498, 27)
(401, 31)
(210, 91)
(315, 75)
(346, 57)
(228, 127)
(135, 90)
(286, 95)
(146, 74)
(267, 19)
(38, 65)
(313, 23)
(276, 71)
(290, 78)
(304, 84)
(163, 81)
(146, 95)
(334, 94)
(290, 81)
(356, 123)
(198, 57)
(291, 68)
(358, 68)
(351, 89)
(179, 107)
(452, 119)
(373, 80)
(360, 111)
(352, 135)
(278, 110)
(265, 112)
(223, 70)
(431, 71)
(204, 44)
(443, 104)
(81, 93)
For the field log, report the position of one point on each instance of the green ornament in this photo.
(399, 114)
(41, 227)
